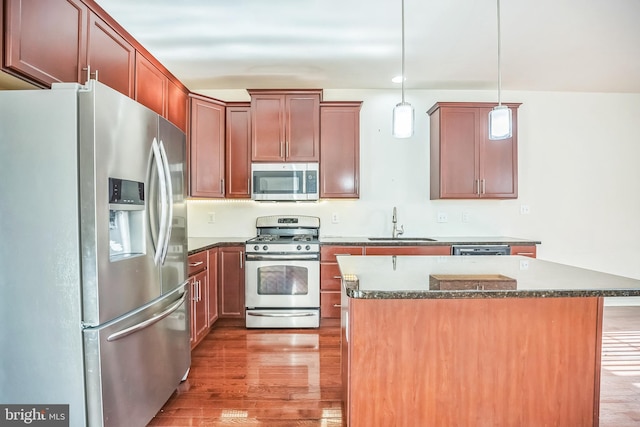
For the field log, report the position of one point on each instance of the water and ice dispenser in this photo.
(126, 219)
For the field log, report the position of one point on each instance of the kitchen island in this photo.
(472, 341)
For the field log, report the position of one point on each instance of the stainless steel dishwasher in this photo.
(480, 250)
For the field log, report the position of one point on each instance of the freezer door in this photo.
(174, 265)
(134, 365)
(116, 135)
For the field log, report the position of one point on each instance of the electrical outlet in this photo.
(524, 264)
(524, 210)
(442, 217)
(335, 218)
(211, 217)
(465, 216)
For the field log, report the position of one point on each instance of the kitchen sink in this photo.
(402, 239)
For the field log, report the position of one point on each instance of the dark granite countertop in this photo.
(199, 244)
(408, 277)
(437, 241)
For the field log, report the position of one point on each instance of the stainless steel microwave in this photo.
(284, 181)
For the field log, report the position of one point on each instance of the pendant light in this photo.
(500, 116)
(403, 115)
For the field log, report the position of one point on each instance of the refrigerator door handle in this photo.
(163, 201)
(145, 324)
(169, 192)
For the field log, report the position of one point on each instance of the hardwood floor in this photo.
(281, 378)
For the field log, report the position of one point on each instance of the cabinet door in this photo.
(407, 250)
(206, 142)
(212, 291)
(45, 41)
(177, 104)
(340, 150)
(459, 153)
(231, 281)
(267, 128)
(238, 146)
(111, 56)
(151, 85)
(302, 134)
(498, 160)
(199, 307)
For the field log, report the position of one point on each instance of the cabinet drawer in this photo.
(408, 250)
(330, 304)
(328, 253)
(197, 262)
(528, 250)
(330, 278)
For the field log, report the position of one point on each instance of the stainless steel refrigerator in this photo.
(94, 308)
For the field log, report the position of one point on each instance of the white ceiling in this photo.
(547, 45)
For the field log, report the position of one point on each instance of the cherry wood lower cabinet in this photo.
(231, 281)
(330, 279)
(199, 285)
(212, 290)
(496, 362)
(524, 250)
(407, 250)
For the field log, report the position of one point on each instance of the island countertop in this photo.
(421, 277)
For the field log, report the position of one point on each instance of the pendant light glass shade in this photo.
(500, 122)
(500, 116)
(403, 117)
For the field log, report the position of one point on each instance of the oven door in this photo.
(275, 281)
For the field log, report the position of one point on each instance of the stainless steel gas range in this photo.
(282, 283)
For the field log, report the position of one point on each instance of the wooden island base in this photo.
(472, 362)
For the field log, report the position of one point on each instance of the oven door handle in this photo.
(292, 257)
(304, 314)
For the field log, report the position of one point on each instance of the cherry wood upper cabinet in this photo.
(206, 147)
(177, 104)
(111, 56)
(45, 41)
(151, 85)
(285, 125)
(340, 149)
(465, 163)
(238, 151)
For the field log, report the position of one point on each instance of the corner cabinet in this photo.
(285, 125)
(206, 147)
(238, 150)
(340, 149)
(465, 163)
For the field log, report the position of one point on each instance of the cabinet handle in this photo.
(337, 277)
(195, 264)
(337, 305)
(281, 148)
(477, 187)
(286, 144)
(241, 259)
(342, 255)
(483, 186)
(222, 186)
(524, 253)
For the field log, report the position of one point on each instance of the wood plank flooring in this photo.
(281, 378)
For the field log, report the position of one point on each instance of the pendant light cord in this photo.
(403, 77)
(499, 43)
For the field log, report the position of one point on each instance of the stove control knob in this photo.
(265, 247)
(256, 248)
(308, 247)
(299, 247)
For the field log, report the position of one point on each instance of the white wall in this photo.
(578, 172)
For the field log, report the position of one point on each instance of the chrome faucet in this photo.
(396, 231)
